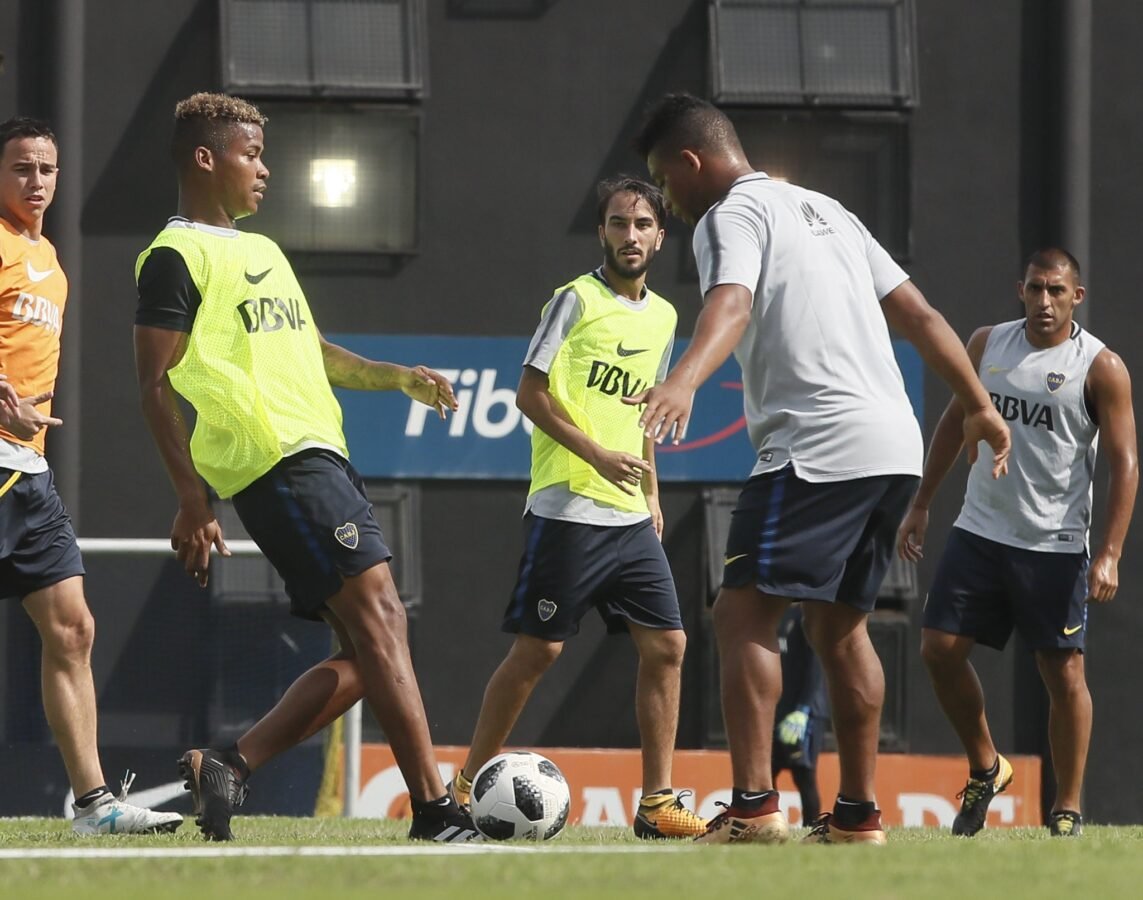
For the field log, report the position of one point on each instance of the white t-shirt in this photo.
(822, 389)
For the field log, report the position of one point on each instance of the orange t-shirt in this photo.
(33, 291)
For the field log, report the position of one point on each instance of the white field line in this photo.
(412, 850)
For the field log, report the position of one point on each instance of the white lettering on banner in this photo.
(918, 810)
(479, 406)
(603, 806)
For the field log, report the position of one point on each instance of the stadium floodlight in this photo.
(333, 182)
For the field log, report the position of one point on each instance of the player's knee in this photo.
(70, 637)
(937, 650)
(1062, 672)
(664, 649)
(534, 656)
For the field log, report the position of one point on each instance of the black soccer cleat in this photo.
(975, 799)
(451, 824)
(1065, 823)
(217, 788)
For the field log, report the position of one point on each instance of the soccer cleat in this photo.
(732, 826)
(216, 787)
(452, 825)
(112, 814)
(975, 799)
(668, 819)
(824, 831)
(1065, 823)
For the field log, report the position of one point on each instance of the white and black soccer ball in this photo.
(520, 796)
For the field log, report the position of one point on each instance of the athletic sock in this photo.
(849, 813)
(436, 809)
(657, 799)
(985, 774)
(92, 795)
(749, 801)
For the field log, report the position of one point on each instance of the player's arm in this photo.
(944, 447)
(195, 529)
(345, 369)
(719, 328)
(535, 400)
(910, 315)
(650, 485)
(1109, 387)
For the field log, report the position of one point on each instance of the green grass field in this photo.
(584, 862)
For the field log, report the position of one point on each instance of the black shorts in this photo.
(37, 543)
(803, 540)
(982, 589)
(569, 567)
(310, 516)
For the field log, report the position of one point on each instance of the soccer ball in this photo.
(521, 796)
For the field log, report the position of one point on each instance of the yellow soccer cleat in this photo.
(666, 817)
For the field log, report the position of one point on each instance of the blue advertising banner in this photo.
(390, 436)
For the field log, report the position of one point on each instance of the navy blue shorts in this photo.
(982, 589)
(569, 567)
(803, 540)
(37, 543)
(310, 516)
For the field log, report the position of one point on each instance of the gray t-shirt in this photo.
(822, 389)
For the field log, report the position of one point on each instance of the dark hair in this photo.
(206, 120)
(628, 184)
(24, 127)
(1051, 258)
(684, 122)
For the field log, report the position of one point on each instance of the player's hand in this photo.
(792, 729)
(667, 411)
(27, 421)
(986, 424)
(194, 532)
(911, 534)
(9, 400)
(656, 516)
(430, 388)
(620, 469)
(1102, 578)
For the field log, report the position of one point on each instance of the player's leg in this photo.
(750, 680)
(959, 692)
(560, 570)
(969, 602)
(67, 632)
(505, 696)
(1069, 722)
(1051, 615)
(806, 781)
(856, 683)
(865, 515)
(45, 569)
(657, 700)
(317, 698)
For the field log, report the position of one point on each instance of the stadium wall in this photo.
(522, 117)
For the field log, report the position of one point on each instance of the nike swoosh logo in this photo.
(727, 560)
(623, 351)
(996, 370)
(35, 274)
(1070, 631)
(254, 279)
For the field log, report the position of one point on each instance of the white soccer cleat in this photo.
(112, 814)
